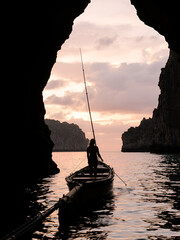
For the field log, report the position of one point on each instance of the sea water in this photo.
(147, 208)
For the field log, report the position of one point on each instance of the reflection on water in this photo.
(22, 205)
(148, 208)
(165, 192)
(88, 225)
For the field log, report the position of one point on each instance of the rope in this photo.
(78, 165)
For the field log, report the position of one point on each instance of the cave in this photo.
(30, 44)
(31, 41)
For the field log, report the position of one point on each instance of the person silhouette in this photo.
(92, 153)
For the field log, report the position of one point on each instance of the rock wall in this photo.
(162, 132)
(164, 17)
(166, 118)
(67, 137)
(138, 139)
(31, 34)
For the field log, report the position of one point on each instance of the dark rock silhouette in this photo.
(138, 139)
(163, 16)
(32, 35)
(162, 132)
(67, 137)
(166, 118)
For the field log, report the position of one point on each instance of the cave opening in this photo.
(33, 34)
(123, 60)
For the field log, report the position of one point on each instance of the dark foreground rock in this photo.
(33, 32)
(163, 16)
(32, 35)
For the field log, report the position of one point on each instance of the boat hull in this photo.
(104, 177)
(86, 191)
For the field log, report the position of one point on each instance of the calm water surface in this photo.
(147, 208)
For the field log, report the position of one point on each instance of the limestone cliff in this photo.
(164, 17)
(138, 139)
(162, 132)
(67, 137)
(166, 118)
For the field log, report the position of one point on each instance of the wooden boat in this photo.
(103, 178)
(86, 191)
(92, 187)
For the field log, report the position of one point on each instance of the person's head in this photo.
(92, 142)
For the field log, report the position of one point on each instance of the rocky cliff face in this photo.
(162, 132)
(138, 139)
(32, 33)
(166, 118)
(67, 137)
(164, 17)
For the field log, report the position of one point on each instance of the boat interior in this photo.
(102, 172)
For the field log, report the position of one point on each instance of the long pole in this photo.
(87, 98)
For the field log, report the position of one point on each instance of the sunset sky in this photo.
(122, 58)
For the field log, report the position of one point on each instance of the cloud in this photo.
(55, 100)
(122, 58)
(61, 116)
(67, 71)
(54, 84)
(116, 43)
(105, 42)
(71, 100)
(128, 88)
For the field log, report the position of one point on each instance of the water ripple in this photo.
(147, 209)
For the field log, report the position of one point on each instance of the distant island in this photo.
(67, 137)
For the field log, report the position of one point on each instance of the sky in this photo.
(122, 60)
